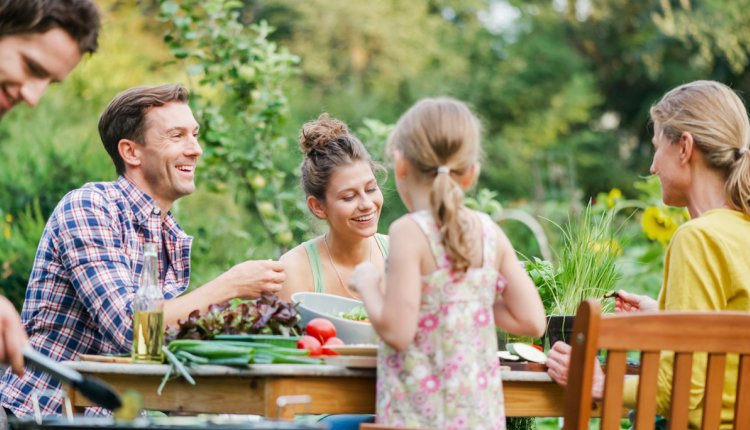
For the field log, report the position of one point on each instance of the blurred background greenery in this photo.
(562, 87)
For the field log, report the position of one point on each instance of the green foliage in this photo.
(239, 101)
(546, 278)
(20, 236)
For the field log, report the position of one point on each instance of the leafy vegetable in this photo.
(266, 315)
(357, 313)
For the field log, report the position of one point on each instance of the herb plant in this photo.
(587, 266)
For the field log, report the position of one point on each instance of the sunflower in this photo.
(611, 247)
(615, 195)
(658, 225)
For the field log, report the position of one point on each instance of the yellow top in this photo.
(707, 268)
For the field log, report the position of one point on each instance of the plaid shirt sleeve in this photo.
(92, 250)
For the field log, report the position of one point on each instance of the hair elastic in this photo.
(443, 169)
(739, 152)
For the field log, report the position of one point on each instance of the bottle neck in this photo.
(149, 296)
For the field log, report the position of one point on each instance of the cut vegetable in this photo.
(527, 352)
(506, 355)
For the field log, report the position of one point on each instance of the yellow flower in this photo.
(613, 197)
(658, 225)
(6, 231)
(611, 247)
(9, 218)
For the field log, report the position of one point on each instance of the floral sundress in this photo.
(449, 376)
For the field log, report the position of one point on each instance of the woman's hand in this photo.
(629, 302)
(558, 365)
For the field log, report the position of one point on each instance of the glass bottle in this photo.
(148, 312)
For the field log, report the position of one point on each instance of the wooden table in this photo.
(255, 390)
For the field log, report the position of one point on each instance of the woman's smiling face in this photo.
(353, 200)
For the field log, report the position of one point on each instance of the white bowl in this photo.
(328, 306)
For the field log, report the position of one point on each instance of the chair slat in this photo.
(578, 402)
(645, 414)
(680, 403)
(713, 391)
(614, 377)
(742, 404)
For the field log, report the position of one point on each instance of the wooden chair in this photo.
(715, 333)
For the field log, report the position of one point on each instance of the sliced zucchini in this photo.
(506, 355)
(527, 352)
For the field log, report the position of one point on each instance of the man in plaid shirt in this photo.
(88, 264)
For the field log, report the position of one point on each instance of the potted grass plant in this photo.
(586, 268)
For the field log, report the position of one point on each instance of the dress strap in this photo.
(489, 250)
(382, 241)
(429, 227)
(313, 256)
(489, 241)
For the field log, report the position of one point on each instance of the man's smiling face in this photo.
(169, 154)
(30, 62)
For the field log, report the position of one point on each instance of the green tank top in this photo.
(313, 256)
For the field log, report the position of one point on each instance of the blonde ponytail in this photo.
(738, 182)
(440, 137)
(447, 200)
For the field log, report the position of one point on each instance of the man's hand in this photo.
(629, 302)
(250, 279)
(12, 336)
(558, 364)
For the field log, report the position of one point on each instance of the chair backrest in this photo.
(684, 333)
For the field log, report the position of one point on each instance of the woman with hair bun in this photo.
(341, 187)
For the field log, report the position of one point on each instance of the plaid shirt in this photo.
(86, 270)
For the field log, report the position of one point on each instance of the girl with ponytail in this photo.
(452, 276)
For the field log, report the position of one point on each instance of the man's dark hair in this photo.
(125, 116)
(79, 18)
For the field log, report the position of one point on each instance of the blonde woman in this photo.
(701, 139)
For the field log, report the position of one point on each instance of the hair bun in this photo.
(316, 134)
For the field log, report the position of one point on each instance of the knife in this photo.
(92, 388)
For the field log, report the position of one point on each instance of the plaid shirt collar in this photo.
(144, 205)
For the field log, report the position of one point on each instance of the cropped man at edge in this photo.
(89, 261)
(41, 42)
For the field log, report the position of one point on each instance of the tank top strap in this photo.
(489, 241)
(313, 256)
(382, 241)
(429, 227)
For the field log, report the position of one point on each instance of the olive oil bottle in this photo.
(148, 312)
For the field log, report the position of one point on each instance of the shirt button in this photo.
(156, 211)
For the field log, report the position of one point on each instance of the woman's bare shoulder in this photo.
(297, 271)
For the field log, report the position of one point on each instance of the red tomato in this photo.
(321, 329)
(539, 347)
(311, 344)
(331, 341)
(334, 341)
